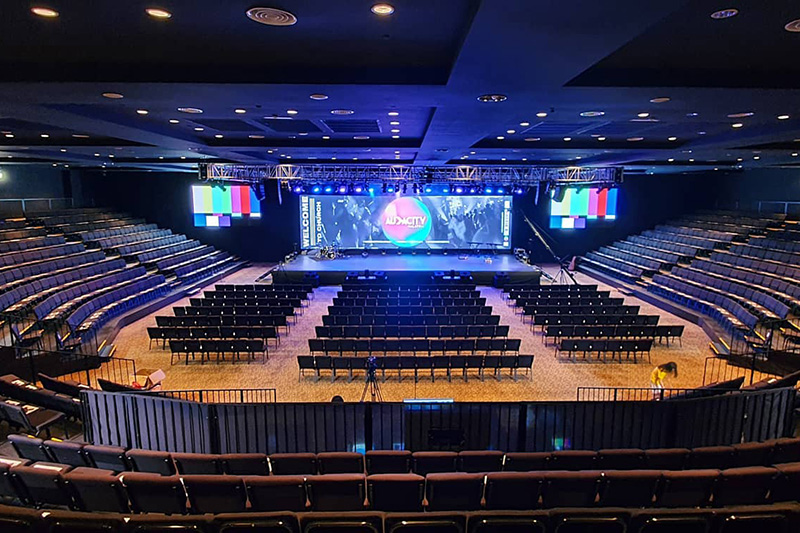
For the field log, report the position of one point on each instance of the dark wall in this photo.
(165, 199)
(33, 181)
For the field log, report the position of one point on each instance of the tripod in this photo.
(564, 276)
(371, 382)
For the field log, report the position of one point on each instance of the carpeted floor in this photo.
(551, 380)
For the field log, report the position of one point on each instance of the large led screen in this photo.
(424, 222)
(216, 206)
(580, 205)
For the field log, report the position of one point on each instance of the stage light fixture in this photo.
(500, 190)
(328, 189)
(428, 189)
(459, 190)
(358, 189)
(446, 189)
(488, 190)
(45, 12)
(472, 190)
(157, 13)
(390, 189)
(342, 189)
(298, 189)
(371, 190)
(519, 190)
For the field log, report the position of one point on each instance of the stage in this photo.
(407, 267)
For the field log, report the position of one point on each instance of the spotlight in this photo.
(316, 189)
(459, 190)
(500, 190)
(342, 189)
(358, 189)
(428, 189)
(519, 190)
(298, 189)
(390, 189)
(371, 190)
(446, 189)
(328, 189)
(472, 190)
(488, 190)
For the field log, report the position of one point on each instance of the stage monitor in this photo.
(580, 206)
(420, 222)
(216, 206)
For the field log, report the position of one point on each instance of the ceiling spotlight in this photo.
(724, 13)
(80, 136)
(271, 16)
(395, 136)
(670, 160)
(113, 96)
(793, 26)
(218, 136)
(541, 114)
(783, 117)
(44, 12)
(240, 111)
(190, 110)
(342, 111)
(142, 111)
(97, 155)
(157, 13)
(593, 113)
(511, 132)
(9, 135)
(291, 111)
(524, 124)
(174, 121)
(794, 154)
(741, 115)
(532, 139)
(660, 100)
(318, 96)
(492, 98)
(643, 115)
(691, 160)
(692, 114)
(635, 139)
(601, 138)
(359, 137)
(394, 123)
(395, 130)
(500, 137)
(198, 128)
(757, 157)
(382, 10)
(672, 138)
(567, 139)
(44, 136)
(737, 125)
(393, 113)
(326, 137)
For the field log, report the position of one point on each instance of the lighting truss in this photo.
(510, 175)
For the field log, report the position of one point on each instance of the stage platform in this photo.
(407, 268)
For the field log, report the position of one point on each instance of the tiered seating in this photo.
(76, 269)
(584, 321)
(232, 319)
(417, 329)
(98, 479)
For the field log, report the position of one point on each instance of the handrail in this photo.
(263, 395)
(638, 394)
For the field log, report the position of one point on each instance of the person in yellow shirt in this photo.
(661, 372)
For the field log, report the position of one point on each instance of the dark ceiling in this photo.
(428, 63)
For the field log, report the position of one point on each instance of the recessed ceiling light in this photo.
(670, 160)
(183, 157)
(326, 137)
(361, 137)
(567, 139)
(271, 16)
(198, 128)
(741, 115)
(672, 138)
(111, 156)
(291, 111)
(318, 96)
(635, 139)
(701, 133)
(757, 157)
(541, 114)
(500, 137)
(532, 139)
(174, 121)
(395, 136)
(739, 159)
(472, 152)
(218, 136)
(692, 114)
(97, 155)
(157, 13)
(593, 113)
(393, 113)
(190, 110)
(793, 26)
(794, 154)
(142, 111)
(395, 131)
(737, 125)
(80, 136)
(63, 150)
(492, 98)
(44, 12)
(691, 160)
(643, 115)
(240, 111)
(303, 133)
(113, 96)
(44, 136)
(511, 132)
(783, 117)
(394, 123)
(660, 100)
(382, 10)
(601, 138)
(724, 13)
(524, 124)
(342, 111)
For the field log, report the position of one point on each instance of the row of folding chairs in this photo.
(410, 320)
(418, 365)
(415, 332)
(223, 320)
(408, 302)
(426, 293)
(251, 348)
(285, 310)
(578, 299)
(245, 302)
(274, 295)
(581, 310)
(508, 288)
(414, 346)
(599, 332)
(117, 459)
(411, 310)
(604, 347)
(306, 288)
(212, 332)
(595, 320)
(516, 294)
(85, 489)
(388, 287)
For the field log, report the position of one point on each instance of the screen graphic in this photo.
(424, 222)
(215, 206)
(580, 205)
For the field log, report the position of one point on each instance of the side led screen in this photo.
(580, 206)
(217, 207)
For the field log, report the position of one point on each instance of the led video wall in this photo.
(581, 206)
(217, 206)
(389, 221)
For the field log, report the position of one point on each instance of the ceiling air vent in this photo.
(271, 16)
(353, 126)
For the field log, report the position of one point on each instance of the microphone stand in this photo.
(563, 271)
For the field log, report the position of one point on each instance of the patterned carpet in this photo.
(551, 379)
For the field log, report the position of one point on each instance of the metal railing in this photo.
(19, 206)
(719, 369)
(27, 363)
(222, 395)
(642, 394)
(115, 369)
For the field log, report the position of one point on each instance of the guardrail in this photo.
(640, 394)
(223, 395)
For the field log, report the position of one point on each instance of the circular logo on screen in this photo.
(406, 222)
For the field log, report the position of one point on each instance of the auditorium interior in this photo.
(418, 266)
